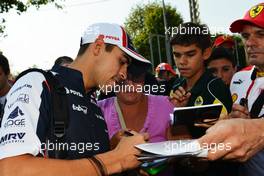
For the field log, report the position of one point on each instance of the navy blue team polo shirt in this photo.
(27, 119)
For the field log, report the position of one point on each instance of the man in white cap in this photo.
(104, 54)
(245, 136)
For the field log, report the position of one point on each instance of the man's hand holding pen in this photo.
(125, 133)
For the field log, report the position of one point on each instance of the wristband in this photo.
(99, 164)
(94, 166)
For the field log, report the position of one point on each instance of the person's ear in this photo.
(98, 46)
(207, 53)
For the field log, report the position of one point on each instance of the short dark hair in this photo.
(137, 68)
(4, 64)
(221, 52)
(193, 33)
(108, 48)
(63, 60)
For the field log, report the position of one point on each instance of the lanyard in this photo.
(120, 115)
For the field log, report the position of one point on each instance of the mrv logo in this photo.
(12, 138)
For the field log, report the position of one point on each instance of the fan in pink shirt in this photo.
(133, 109)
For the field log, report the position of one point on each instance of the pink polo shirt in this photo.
(156, 123)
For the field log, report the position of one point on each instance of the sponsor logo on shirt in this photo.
(79, 108)
(24, 98)
(15, 123)
(13, 120)
(21, 87)
(12, 138)
(99, 117)
(93, 101)
(234, 97)
(238, 81)
(73, 92)
(198, 101)
(15, 113)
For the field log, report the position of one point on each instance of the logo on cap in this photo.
(111, 37)
(255, 11)
(198, 101)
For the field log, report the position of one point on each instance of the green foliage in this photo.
(2, 27)
(19, 6)
(240, 52)
(6, 5)
(146, 20)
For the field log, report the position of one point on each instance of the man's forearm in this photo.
(111, 161)
(260, 126)
(27, 165)
(244, 136)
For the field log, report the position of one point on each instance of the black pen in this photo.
(128, 133)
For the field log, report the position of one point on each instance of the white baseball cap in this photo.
(112, 34)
